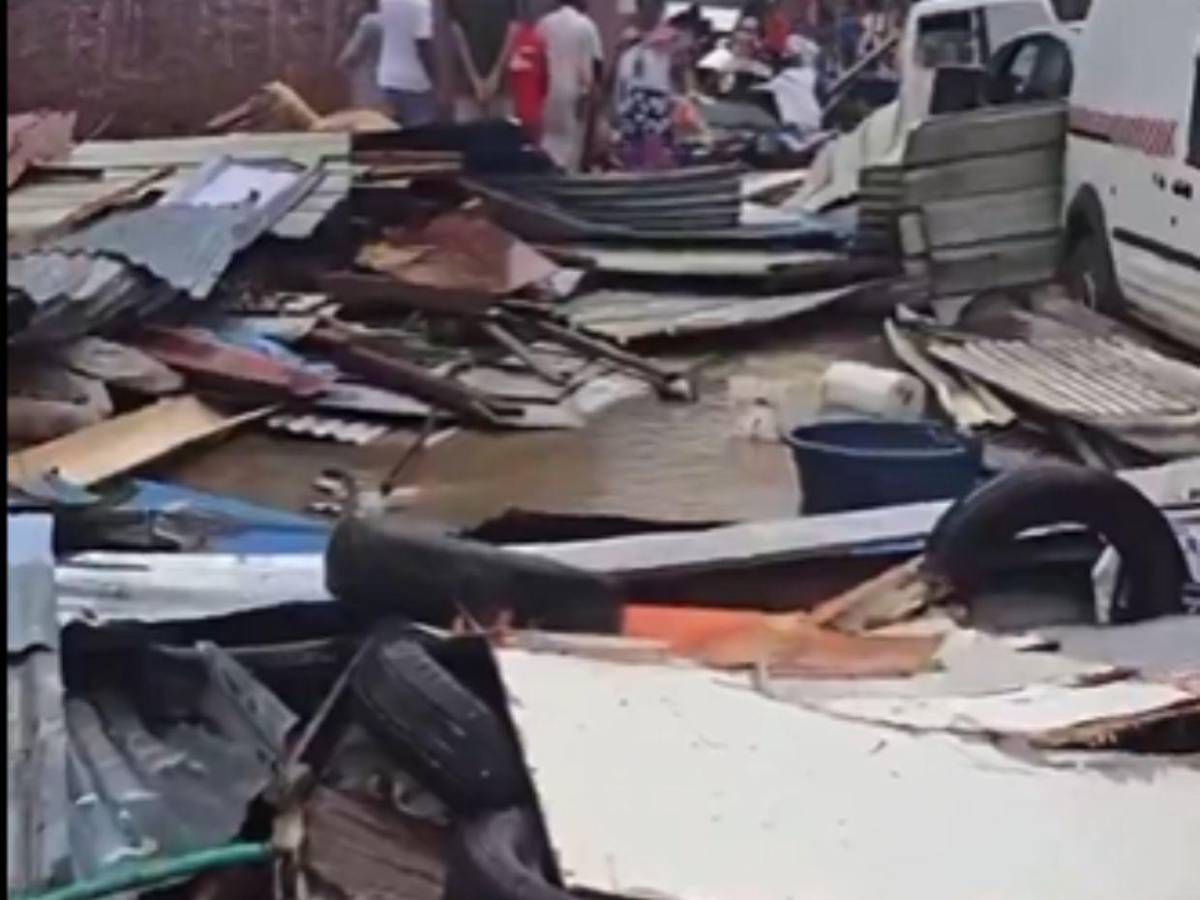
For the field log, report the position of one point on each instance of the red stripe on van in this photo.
(1155, 137)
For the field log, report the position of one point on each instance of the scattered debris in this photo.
(519, 391)
(122, 443)
(37, 138)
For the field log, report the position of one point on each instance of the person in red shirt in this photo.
(777, 28)
(528, 73)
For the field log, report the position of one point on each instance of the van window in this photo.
(947, 39)
(1194, 135)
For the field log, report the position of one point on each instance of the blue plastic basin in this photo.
(865, 463)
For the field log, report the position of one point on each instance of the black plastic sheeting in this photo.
(493, 147)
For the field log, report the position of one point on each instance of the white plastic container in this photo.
(873, 391)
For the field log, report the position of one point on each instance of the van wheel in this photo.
(1090, 277)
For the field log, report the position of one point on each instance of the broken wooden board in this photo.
(124, 443)
(892, 596)
(1044, 714)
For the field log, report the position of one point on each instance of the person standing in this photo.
(360, 59)
(406, 60)
(481, 32)
(648, 86)
(528, 75)
(574, 59)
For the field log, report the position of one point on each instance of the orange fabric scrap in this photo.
(785, 644)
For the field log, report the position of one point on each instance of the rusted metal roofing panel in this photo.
(37, 137)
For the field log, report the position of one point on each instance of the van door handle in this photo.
(1183, 189)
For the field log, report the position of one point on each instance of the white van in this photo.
(1132, 199)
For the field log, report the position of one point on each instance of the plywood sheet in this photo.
(123, 443)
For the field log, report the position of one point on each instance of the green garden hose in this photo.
(153, 872)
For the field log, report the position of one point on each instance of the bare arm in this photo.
(356, 44)
(424, 42)
(463, 48)
(492, 82)
(428, 60)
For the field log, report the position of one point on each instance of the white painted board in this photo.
(677, 783)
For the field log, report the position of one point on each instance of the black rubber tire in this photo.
(971, 532)
(440, 731)
(384, 568)
(498, 856)
(1090, 276)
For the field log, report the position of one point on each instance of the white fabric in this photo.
(643, 67)
(795, 92)
(405, 22)
(572, 48)
(362, 55)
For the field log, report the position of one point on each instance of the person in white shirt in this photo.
(574, 57)
(360, 60)
(406, 60)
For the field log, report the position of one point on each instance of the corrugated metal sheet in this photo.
(30, 603)
(37, 787)
(167, 771)
(188, 247)
(303, 147)
(343, 431)
(123, 163)
(629, 315)
(696, 262)
(37, 799)
(109, 290)
(1113, 384)
(183, 587)
(537, 217)
(116, 772)
(702, 197)
(1105, 380)
(45, 276)
(981, 198)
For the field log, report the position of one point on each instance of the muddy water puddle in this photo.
(643, 458)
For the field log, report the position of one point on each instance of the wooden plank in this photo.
(123, 443)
